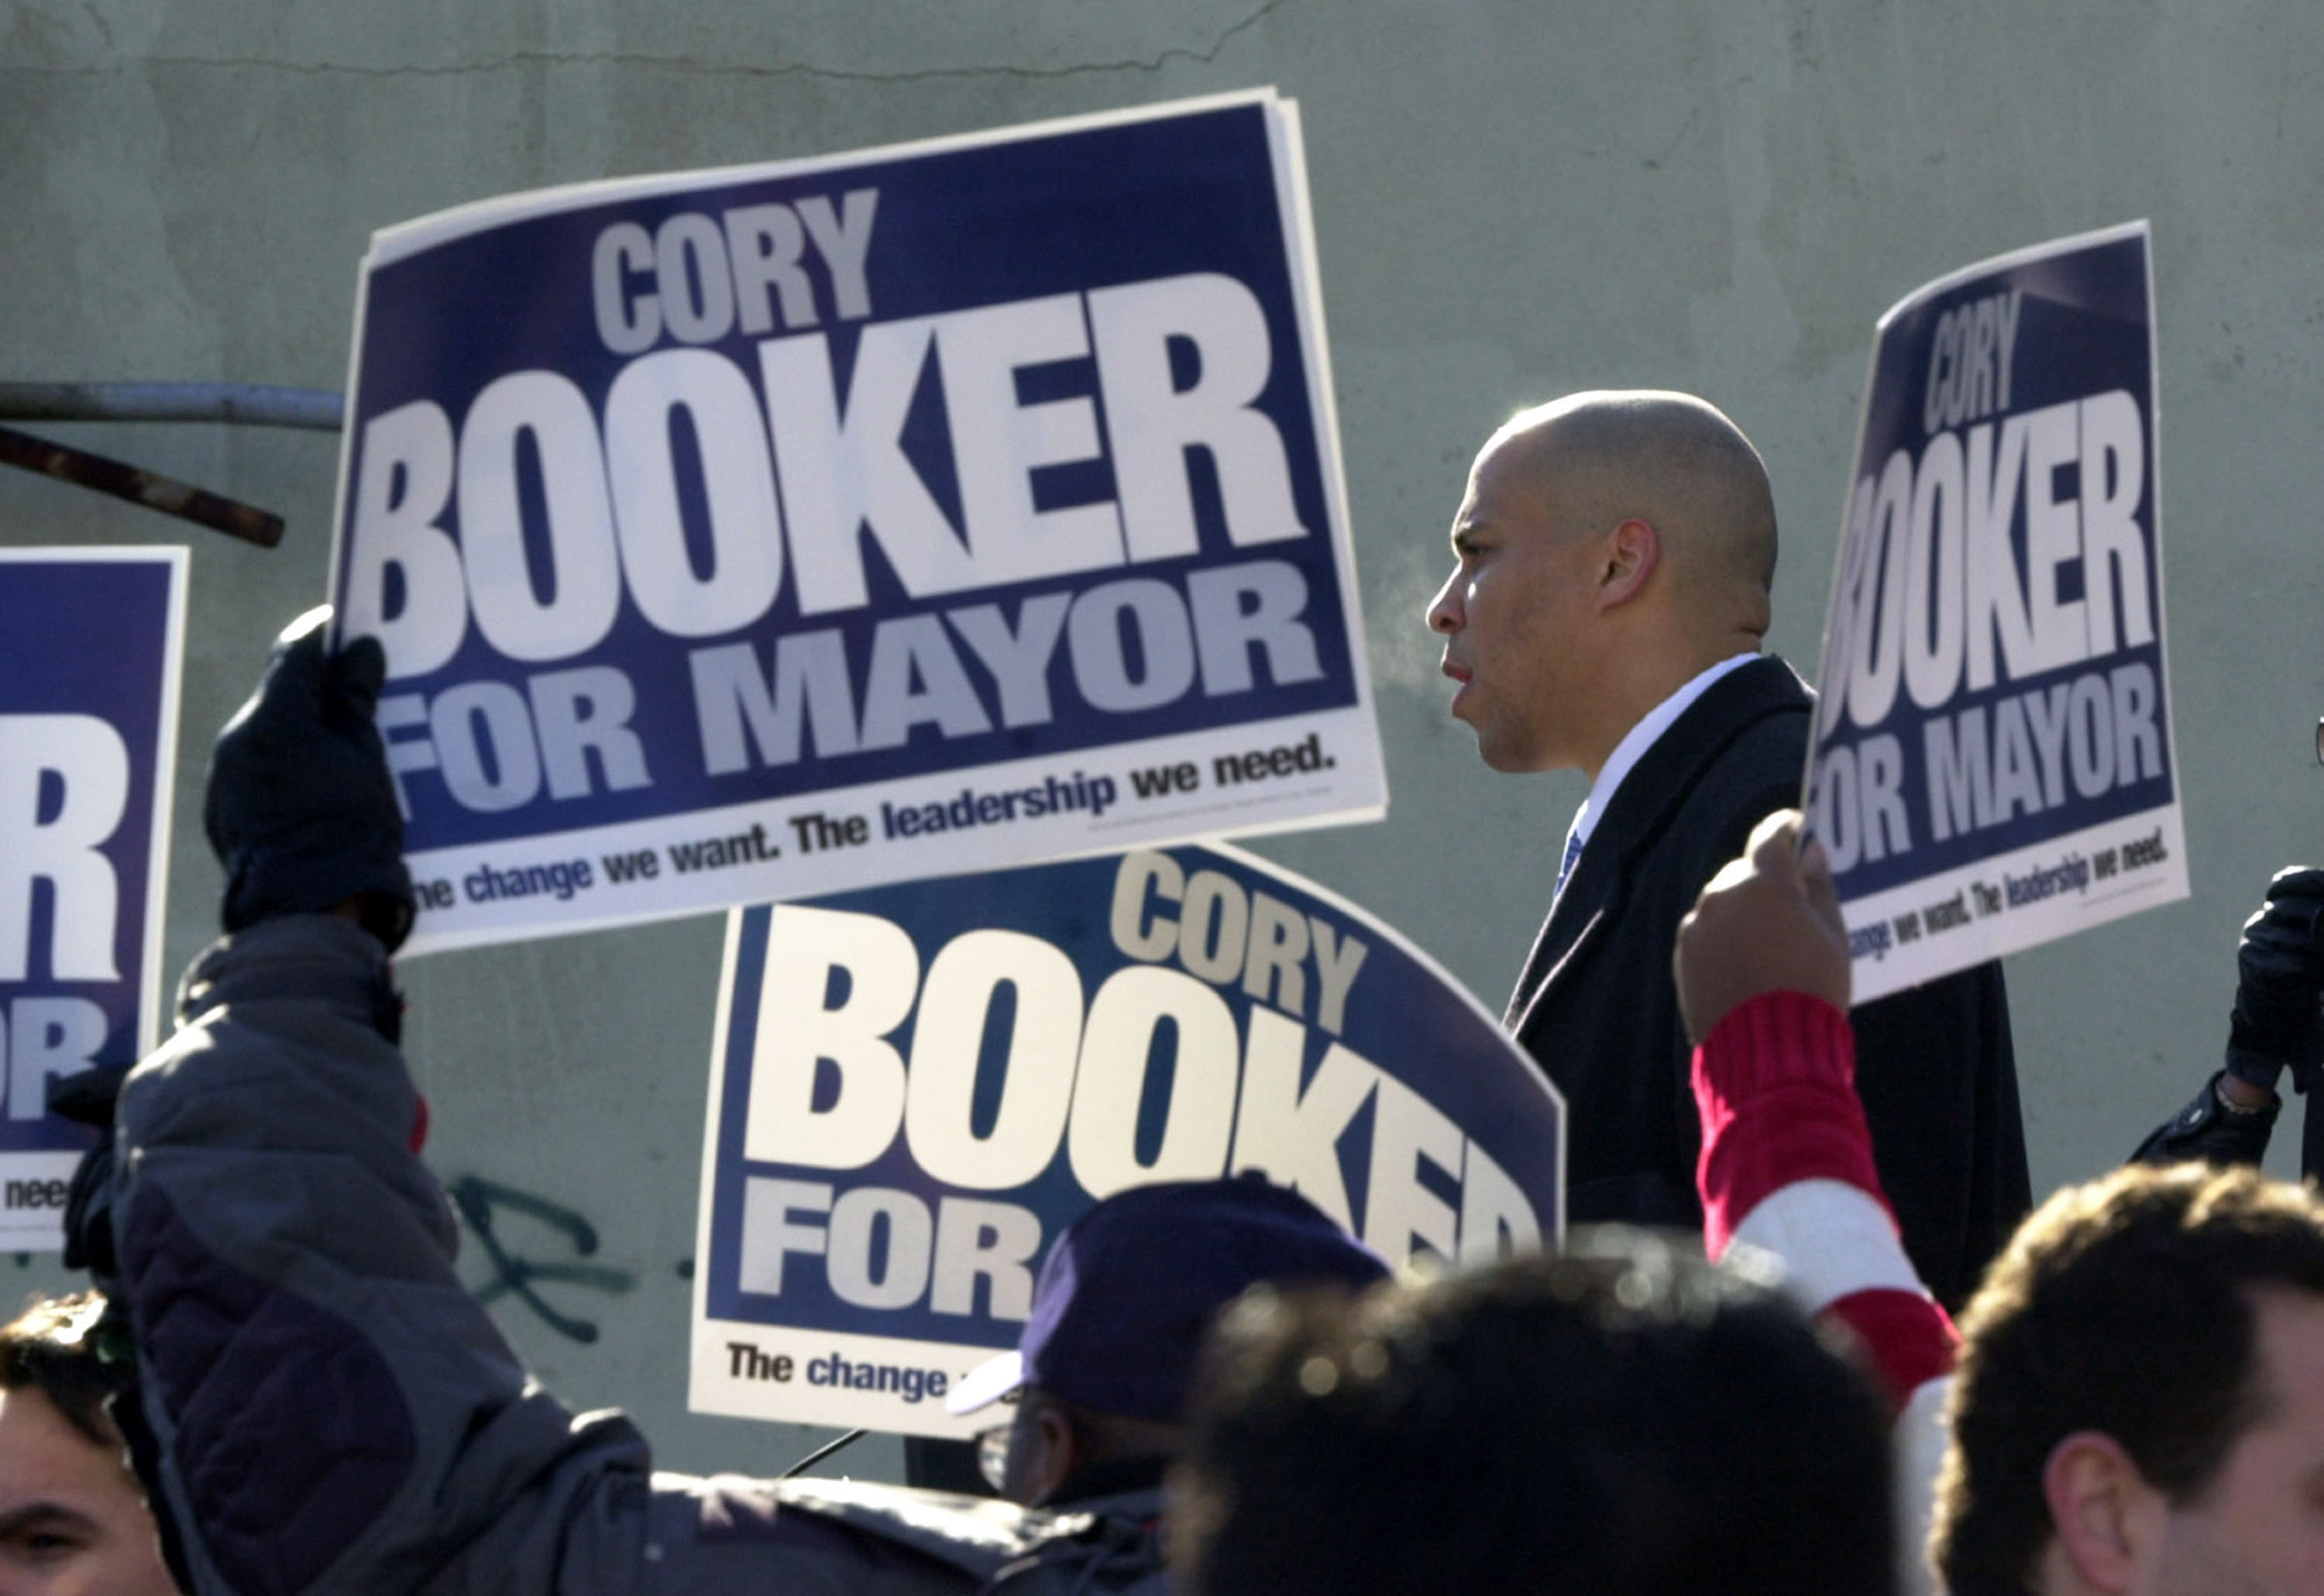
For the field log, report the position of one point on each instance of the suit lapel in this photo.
(1649, 796)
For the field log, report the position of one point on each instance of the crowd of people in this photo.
(1803, 1337)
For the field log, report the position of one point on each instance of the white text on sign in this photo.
(611, 482)
(830, 1091)
(64, 786)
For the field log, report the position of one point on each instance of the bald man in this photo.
(1609, 592)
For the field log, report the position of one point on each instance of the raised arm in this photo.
(332, 1412)
(1762, 976)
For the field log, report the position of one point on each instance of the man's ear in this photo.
(1629, 553)
(1052, 1454)
(2106, 1520)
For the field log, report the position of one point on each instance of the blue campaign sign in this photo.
(914, 1088)
(91, 641)
(747, 534)
(1993, 765)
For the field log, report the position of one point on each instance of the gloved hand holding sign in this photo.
(300, 809)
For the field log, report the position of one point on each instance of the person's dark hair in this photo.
(2122, 1307)
(56, 1347)
(1620, 1418)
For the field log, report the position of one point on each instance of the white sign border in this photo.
(1869, 974)
(46, 1235)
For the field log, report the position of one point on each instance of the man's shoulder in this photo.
(1737, 753)
(1733, 755)
(880, 1539)
(1756, 709)
(1111, 1543)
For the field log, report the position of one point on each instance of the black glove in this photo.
(2211, 1131)
(2279, 970)
(301, 810)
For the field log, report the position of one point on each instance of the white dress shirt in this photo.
(1629, 751)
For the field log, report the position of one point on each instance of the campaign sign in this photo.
(91, 641)
(748, 534)
(914, 1089)
(1993, 758)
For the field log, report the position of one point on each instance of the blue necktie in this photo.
(1566, 869)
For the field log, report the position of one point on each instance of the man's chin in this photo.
(1510, 758)
(1494, 745)
(1498, 756)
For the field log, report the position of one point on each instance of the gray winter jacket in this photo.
(334, 1412)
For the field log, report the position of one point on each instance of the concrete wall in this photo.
(1511, 200)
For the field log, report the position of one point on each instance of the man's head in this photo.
(1610, 546)
(2140, 1400)
(1124, 1298)
(72, 1519)
(1622, 1418)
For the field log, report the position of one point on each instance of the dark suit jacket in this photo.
(1597, 1009)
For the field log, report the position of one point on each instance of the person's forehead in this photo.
(1510, 481)
(2282, 1446)
(2290, 1325)
(53, 1478)
(41, 1455)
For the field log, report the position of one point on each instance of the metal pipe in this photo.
(149, 488)
(256, 404)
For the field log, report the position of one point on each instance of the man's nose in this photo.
(1444, 609)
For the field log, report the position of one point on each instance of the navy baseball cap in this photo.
(1125, 1293)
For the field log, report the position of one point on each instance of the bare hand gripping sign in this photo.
(914, 1089)
(90, 642)
(742, 534)
(1993, 760)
